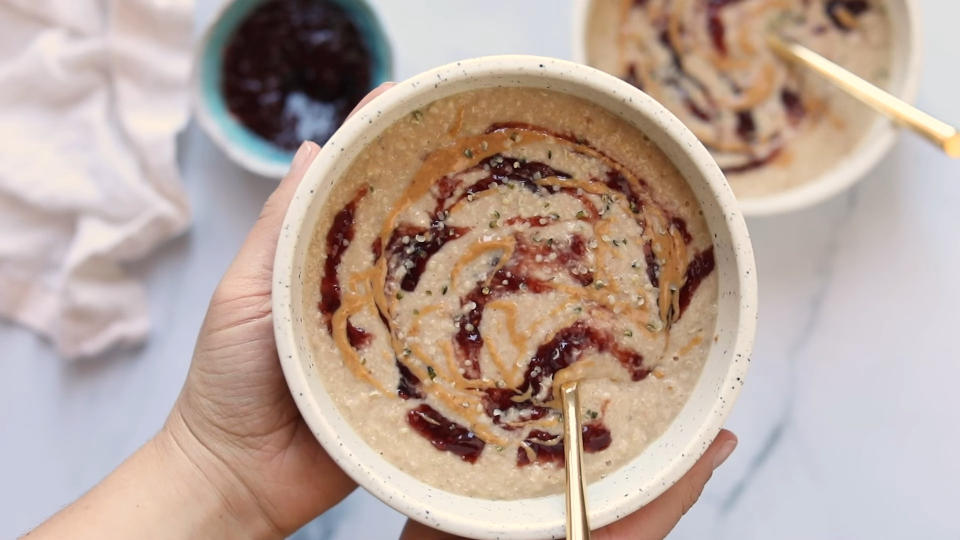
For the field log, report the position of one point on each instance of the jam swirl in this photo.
(451, 261)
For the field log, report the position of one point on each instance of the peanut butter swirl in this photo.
(514, 260)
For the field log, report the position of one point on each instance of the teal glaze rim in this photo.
(240, 143)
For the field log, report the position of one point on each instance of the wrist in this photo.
(221, 504)
(163, 490)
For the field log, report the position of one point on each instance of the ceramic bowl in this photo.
(668, 457)
(242, 145)
(879, 139)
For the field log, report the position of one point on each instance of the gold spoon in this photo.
(942, 134)
(577, 526)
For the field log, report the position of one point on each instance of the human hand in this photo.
(235, 420)
(234, 459)
(235, 448)
(652, 522)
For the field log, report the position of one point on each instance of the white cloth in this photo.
(92, 95)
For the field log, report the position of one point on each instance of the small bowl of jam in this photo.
(270, 74)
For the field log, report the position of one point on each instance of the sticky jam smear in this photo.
(338, 240)
(503, 169)
(545, 447)
(729, 126)
(699, 268)
(445, 434)
(512, 278)
(567, 345)
(358, 337)
(403, 251)
(409, 385)
(411, 248)
(715, 24)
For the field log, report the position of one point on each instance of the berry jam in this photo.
(338, 240)
(548, 448)
(294, 69)
(445, 434)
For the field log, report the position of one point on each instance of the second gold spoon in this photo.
(940, 133)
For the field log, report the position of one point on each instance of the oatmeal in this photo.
(485, 249)
(770, 125)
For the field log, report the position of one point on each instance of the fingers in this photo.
(655, 520)
(253, 266)
(271, 217)
(276, 206)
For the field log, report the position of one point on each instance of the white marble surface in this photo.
(848, 423)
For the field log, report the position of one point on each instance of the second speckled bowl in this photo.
(872, 146)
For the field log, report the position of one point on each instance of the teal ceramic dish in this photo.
(242, 145)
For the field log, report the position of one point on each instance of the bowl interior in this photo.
(240, 143)
(874, 144)
(667, 458)
(879, 138)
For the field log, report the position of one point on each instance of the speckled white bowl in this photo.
(664, 461)
(904, 81)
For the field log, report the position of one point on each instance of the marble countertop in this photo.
(849, 420)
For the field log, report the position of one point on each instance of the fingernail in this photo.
(724, 452)
(301, 157)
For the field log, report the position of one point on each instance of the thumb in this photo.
(655, 520)
(254, 262)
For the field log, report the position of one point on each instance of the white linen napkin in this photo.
(92, 95)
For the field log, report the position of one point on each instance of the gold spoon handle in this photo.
(940, 133)
(577, 526)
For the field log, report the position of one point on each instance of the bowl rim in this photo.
(237, 151)
(864, 157)
(371, 119)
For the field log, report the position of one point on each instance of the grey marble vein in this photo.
(825, 268)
